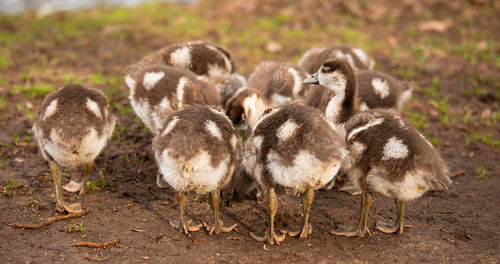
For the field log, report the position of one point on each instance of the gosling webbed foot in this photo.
(73, 186)
(350, 189)
(70, 208)
(268, 236)
(350, 232)
(219, 228)
(304, 232)
(185, 227)
(390, 228)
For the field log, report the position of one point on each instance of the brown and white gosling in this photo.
(270, 84)
(204, 59)
(158, 90)
(72, 128)
(312, 60)
(380, 90)
(341, 90)
(389, 156)
(196, 152)
(295, 147)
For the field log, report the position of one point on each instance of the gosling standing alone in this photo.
(292, 146)
(389, 156)
(72, 128)
(196, 151)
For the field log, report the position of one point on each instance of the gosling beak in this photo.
(313, 79)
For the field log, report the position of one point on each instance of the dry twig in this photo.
(457, 173)
(51, 220)
(98, 245)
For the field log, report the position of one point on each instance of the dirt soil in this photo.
(462, 226)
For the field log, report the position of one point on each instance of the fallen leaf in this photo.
(435, 25)
(273, 47)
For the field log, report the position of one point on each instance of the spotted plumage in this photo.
(270, 84)
(393, 153)
(196, 152)
(379, 90)
(353, 91)
(340, 95)
(72, 128)
(293, 146)
(204, 59)
(278, 82)
(159, 90)
(390, 157)
(312, 60)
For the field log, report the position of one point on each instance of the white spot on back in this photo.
(358, 130)
(395, 149)
(403, 98)
(151, 78)
(170, 125)
(94, 107)
(181, 57)
(363, 106)
(50, 110)
(180, 91)
(361, 56)
(165, 104)
(213, 129)
(381, 87)
(340, 55)
(286, 130)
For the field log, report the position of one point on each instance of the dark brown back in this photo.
(189, 136)
(315, 59)
(72, 116)
(367, 92)
(195, 91)
(420, 153)
(202, 56)
(274, 78)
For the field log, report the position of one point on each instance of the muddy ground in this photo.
(450, 51)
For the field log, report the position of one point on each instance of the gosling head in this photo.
(335, 75)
